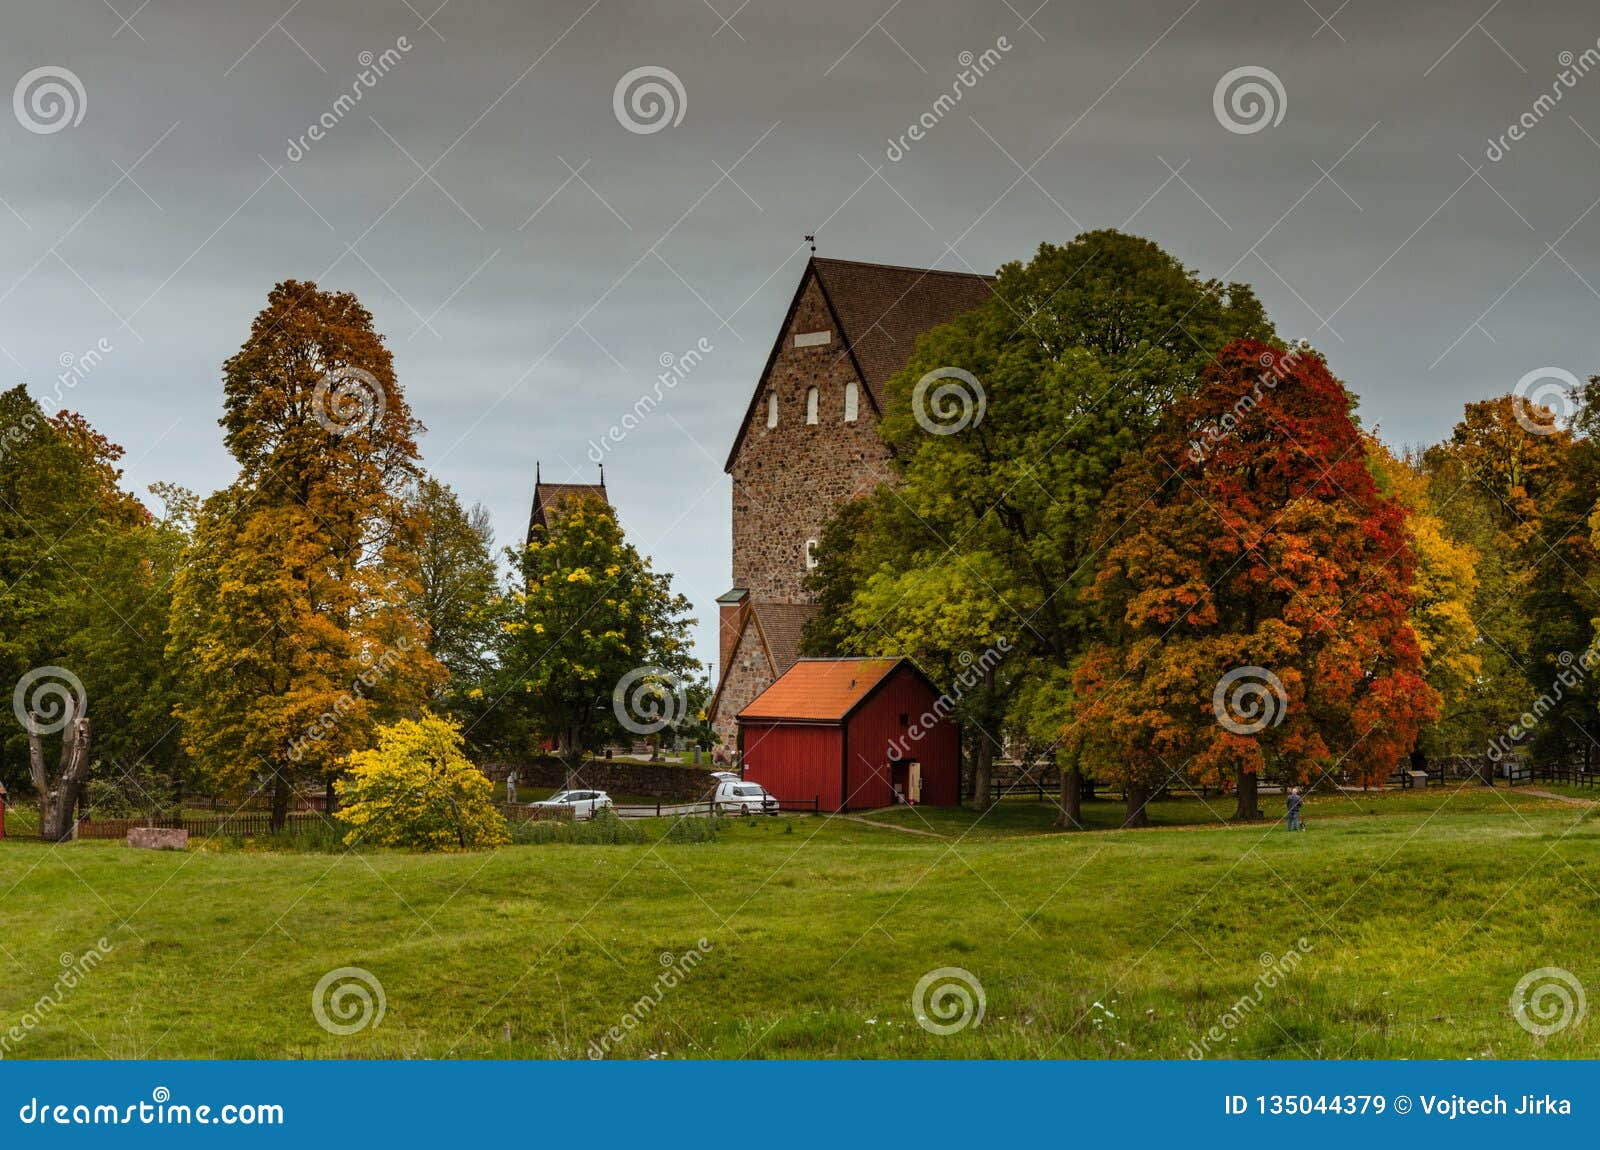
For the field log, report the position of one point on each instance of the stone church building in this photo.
(808, 442)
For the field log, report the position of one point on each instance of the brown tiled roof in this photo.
(551, 496)
(782, 623)
(883, 309)
(819, 690)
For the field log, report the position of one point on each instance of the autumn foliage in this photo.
(1249, 536)
(416, 788)
(293, 615)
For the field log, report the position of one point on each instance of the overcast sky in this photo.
(531, 259)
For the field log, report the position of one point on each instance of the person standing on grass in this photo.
(1294, 808)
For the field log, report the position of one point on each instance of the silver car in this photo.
(582, 804)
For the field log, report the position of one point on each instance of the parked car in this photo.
(726, 776)
(583, 804)
(735, 797)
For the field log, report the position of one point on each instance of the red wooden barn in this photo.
(855, 733)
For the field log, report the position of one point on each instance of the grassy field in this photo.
(1419, 914)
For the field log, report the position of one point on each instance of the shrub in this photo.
(417, 789)
(309, 836)
(607, 828)
(692, 829)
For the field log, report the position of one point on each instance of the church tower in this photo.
(808, 442)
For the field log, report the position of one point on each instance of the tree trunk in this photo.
(570, 754)
(983, 773)
(1249, 808)
(280, 800)
(331, 802)
(59, 800)
(1136, 803)
(1071, 797)
(1419, 758)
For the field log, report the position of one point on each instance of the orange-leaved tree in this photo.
(1255, 587)
(292, 615)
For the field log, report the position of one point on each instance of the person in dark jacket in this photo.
(1294, 808)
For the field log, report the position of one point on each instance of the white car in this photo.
(582, 804)
(736, 797)
(726, 776)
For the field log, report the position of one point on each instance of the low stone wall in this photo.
(158, 839)
(658, 780)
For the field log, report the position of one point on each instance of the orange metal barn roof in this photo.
(819, 690)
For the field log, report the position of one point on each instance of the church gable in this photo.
(809, 442)
(747, 672)
(809, 439)
(811, 351)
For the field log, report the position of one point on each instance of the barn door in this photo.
(914, 781)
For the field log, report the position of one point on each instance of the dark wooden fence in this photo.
(243, 824)
(669, 809)
(1571, 774)
(528, 813)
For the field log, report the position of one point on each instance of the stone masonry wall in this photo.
(659, 780)
(788, 479)
(746, 675)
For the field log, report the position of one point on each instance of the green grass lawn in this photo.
(1419, 911)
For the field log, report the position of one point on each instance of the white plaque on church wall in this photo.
(812, 338)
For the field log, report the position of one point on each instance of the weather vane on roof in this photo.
(812, 240)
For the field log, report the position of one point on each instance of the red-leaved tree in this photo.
(1254, 585)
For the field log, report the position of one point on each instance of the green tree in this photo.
(1001, 471)
(84, 574)
(1515, 496)
(456, 583)
(595, 644)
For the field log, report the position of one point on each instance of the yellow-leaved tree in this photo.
(293, 616)
(416, 788)
(1441, 603)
